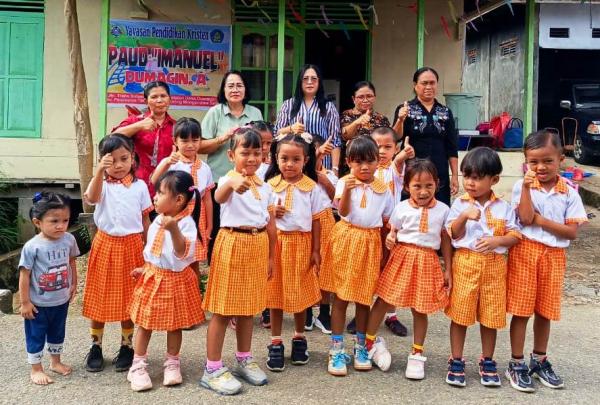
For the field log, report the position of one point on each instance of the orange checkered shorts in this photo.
(535, 279)
(166, 300)
(294, 285)
(238, 274)
(413, 278)
(354, 256)
(326, 281)
(478, 289)
(108, 282)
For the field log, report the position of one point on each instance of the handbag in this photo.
(498, 125)
(513, 137)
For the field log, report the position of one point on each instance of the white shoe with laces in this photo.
(380, 354)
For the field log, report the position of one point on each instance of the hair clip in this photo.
(308, 138)
(37, 197)
(191, 188)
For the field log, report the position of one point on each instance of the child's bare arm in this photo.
(145, 224)
(459, 225)
(446, 247)
(525, 209)
(272, 232)
(316, 243)
(28, 310)
(565, 231)
(346, 199)
(94, 190)
(73, 289)
(208, 208)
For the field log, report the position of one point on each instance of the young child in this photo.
(47, 283)
(297, 203)
(413, 276)
(550, 213)
(266, 136)
(186, 138)
(167, 295)
(391, 171)
(354, 251)
(482, 227)
(241, 263)
(121, 216)
(326, 180)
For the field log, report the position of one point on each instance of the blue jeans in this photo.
(48, 326)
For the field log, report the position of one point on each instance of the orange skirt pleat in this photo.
(238, 274)
(108, 283)
(166, 300)
(326, 279)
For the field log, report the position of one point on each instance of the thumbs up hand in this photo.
(241, 184)
(473, 213)
(408, 149)
(529, 178)
(326, 148)
(298, 126)
(279, 209)
(403, 113)
(174, 157)
(364, 119)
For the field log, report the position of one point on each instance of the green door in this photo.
(255, 54)
(21, 74)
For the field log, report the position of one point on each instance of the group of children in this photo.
(280, 247)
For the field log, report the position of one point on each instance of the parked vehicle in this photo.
(583, 105)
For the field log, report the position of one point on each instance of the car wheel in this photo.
(580, 153)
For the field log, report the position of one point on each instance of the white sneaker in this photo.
(362, 362)
(221, 381)
(380, 354)
(248, 370)
(138, 376)
(415, 368)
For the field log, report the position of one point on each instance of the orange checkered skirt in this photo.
(413, 278)
(327, 220)
(536, 274)
(202, 242)
(353, 255)
(294, 285)
(238, 274)
(108, 282)
(166, 300)
(478, 289)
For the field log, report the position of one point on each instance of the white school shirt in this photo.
(562, 204)
(168, 260)
(262, 170)
(203, 174)
(326, 202)
(415, 228)
(245, 209)
(392, 178)
(379, 203)
(120, 209)
(304, 203)
(497, 219)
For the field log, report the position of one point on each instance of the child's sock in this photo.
(276, 340)
(241, 356)
(127, 337)
(360, 338)
(337, 339)
(391, 315)
(539, 356)
(323, 309)
(417, 349)
(137, 358)
(299, 335)
(172, 356)
(212, 366)
(97, 336)
(369, 341)
(517, 359)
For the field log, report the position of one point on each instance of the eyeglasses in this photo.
(235, 86)
(365, 97)
(308, 79)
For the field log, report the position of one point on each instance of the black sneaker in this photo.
(518, 376)
(265, 319)
(94, 361)
(396, 327)
(299, 351)
(275, 358)
(124, 359)
(456, 373)
(308, 324)
(544, 372)
(351, 327)
(488, 372)
(323, 322)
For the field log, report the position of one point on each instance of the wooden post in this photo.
(104, 28)
(420, 32)
(530, 27)
(280, 53)
(81, 116)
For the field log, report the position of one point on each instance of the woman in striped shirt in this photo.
(309, 111)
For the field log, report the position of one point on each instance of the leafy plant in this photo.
(9, 227)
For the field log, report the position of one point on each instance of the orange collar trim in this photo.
(305, 184)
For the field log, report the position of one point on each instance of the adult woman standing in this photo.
(309, 111)
(362, 119)
(431, 128)
(218, 126)
(152, 132)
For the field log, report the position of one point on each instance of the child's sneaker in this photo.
(309, 323)
(299, 351)
(172, 371)
(221, 381)
(396, 327)
(275, 357)
(124, 359)
(518, 376)
(249, 370)
(415, 367)
(361, 358)
(544, 372)
(456, 372)
(138, 376)
(323, 322)
(265, 319)
(94, 361)
(489, 373)
(380, 354)
(338, 359)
